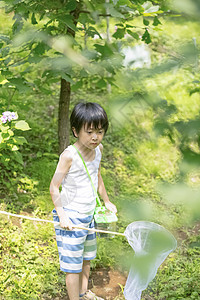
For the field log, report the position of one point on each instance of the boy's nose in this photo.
(94, 137)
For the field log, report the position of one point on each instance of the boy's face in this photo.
(89, 136)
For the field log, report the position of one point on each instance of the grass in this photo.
(179, 277)
(29, 265)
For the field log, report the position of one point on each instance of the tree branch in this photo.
(19, 60)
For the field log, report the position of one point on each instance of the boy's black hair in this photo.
(88, 113)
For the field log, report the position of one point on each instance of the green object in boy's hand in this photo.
(102, 215)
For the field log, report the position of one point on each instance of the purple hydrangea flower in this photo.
(14, 117)
(8, 116)
(4, 119)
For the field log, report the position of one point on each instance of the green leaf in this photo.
(152, 9)
(5, 39)
(85, 19)
(101, 83)
(34, 59)
(22, 125)
(20, 140)
(148, 8)
(156, 21)
(133, 34)
(20, 84)
(109, 67)
(33, 19)
(67, 20)
(77, 85)
(17, 157)
(195, 90)
(17, 26)
(5, 135)
(67, 77)
(146, 37)
(40, 48)
(11, 133)
(119, 25)
(44, 90)
(105, 50)
(4, 128)
(4, 159)
(129, 26)
(83, 73)
(145, 22)
(114, 13)
(71, 5)
(14, 148)
(111, 80)
(91, 31)
(119, 34)
(6, 72)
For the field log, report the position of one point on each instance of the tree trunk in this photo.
(65, 92)
(63, 115)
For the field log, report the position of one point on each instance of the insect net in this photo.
(151, 244)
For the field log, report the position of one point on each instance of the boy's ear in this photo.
(74, 131)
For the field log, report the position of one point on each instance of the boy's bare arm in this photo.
(62, 169)
(102, 190)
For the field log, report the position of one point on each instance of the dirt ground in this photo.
(107, 283)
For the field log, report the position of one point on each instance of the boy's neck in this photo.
(87, 153)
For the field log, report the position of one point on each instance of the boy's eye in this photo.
(98, 132)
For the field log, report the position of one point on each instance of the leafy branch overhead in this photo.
(71, 42)
(36, 38)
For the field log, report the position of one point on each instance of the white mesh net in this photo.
(151, 243)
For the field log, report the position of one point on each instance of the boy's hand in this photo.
(65, 222)
(110, 206)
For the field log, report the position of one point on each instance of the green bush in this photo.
(11, 162)
(179, 277)
(29, 265)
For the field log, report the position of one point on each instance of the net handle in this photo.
(57, 223)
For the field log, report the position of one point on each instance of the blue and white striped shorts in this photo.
(76, 245)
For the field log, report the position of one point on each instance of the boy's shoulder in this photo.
(66, 155)
(101, 147)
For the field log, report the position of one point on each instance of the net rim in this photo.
(153, 224)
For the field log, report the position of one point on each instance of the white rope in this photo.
(57, 223)
(26, 217)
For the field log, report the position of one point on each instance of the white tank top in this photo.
(77, 192)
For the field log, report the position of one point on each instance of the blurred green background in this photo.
(146, 76)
